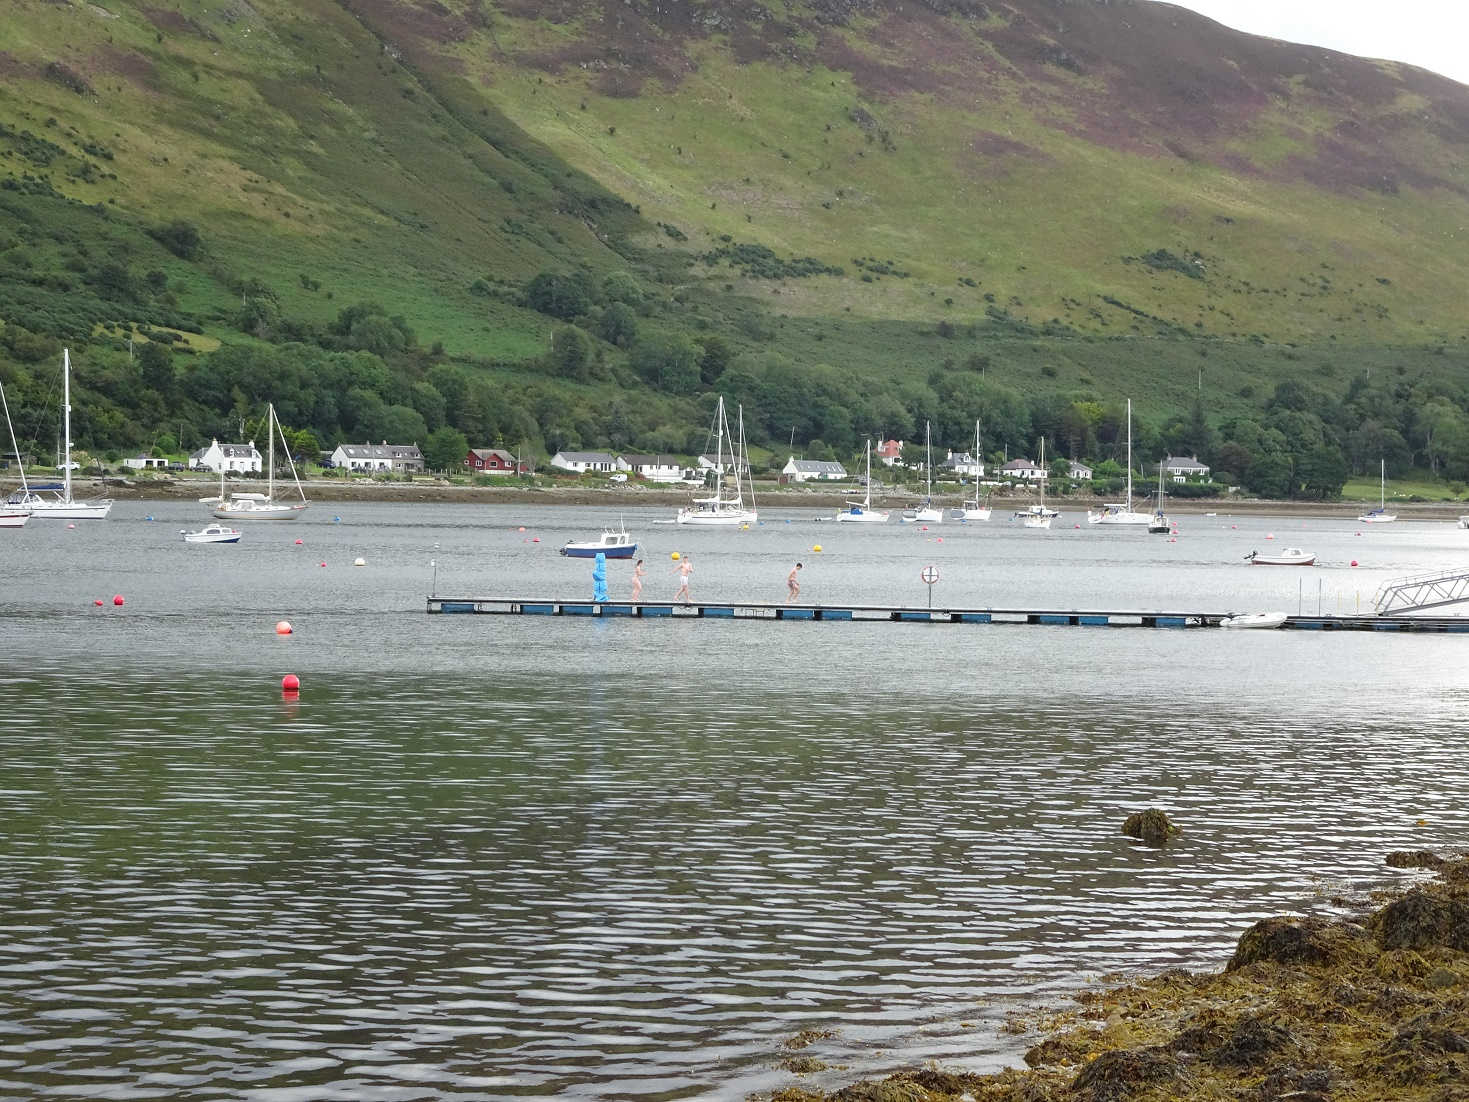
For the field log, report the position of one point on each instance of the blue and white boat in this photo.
(615, 544)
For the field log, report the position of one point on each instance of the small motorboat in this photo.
(615, 544)
(212, 533)
(1254, 620)
(13, 520)
(1290, 556)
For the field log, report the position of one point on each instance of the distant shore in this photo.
(428, 490)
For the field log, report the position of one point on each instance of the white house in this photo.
(227, 458)
(655, 468)
(582, 462)
(965, 464)
(889, 452)
(1181, 468)
(1079, 471)
(145, 463)
(1023, 469)
(404, 458)
(706, 463)
(808, 470)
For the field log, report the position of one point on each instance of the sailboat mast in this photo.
(719, 451)
(1382, 484)
(1129, 455)
(66, 419)
(745, 459)
(867, 497)
(270, 450)
(928, 464)
(19, 462)
(1042, 473)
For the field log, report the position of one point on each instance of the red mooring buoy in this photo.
(290, 683)
(117, 599)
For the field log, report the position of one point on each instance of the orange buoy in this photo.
(283, 627)
(521, 528)
(290, 683)
(117, 599)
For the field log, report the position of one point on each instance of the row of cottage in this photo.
(407, 459)
(668, 468)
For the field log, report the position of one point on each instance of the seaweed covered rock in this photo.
(1432, 1047)
(1123, 1073)
(1247, 1042)
(1151, 826)
(1421, 920)
(1297, 1085)
(1289, 940)
(1415, 859)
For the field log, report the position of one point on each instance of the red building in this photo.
(492, 461)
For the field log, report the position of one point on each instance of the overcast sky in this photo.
(1433, 34)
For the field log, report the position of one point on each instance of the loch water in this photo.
(497, 857)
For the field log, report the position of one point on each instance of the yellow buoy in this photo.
(674, 556)
(816, 547)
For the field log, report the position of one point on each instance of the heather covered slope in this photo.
(1086, 162)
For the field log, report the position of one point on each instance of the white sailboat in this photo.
(1121, 513)
(928, 514)
(264, 506)
(1038, 516)
(9, 517)
(1380, 515)
(973, 510)
(863, 513)
(720, 510)
(1158, 523)
(52, 500)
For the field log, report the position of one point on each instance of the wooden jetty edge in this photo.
(758, 610)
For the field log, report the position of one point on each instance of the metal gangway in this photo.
(1421, 592)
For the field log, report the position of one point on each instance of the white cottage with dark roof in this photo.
(398, 458)
(1182, 468)
(582, 462)
(227, 458)
(809, 470)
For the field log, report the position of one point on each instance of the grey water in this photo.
(497, 857)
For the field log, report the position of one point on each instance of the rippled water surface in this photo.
(488, 857)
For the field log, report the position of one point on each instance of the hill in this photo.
(853, 215)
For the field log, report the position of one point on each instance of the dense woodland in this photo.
(621, 374)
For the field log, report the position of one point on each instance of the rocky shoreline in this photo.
(427, 490)
(1364, 1008)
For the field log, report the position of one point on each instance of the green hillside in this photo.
(568, 223)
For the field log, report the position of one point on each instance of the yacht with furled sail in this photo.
(1038, 516)
(1380, 515)
(1121, 513)
(725, 507)
(863, 512)
(973, 510)
(252, 506)
(55, 500)
(927, 514)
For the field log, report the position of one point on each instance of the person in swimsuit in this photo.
(637, 580)
(684, 569)
(793, 584)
